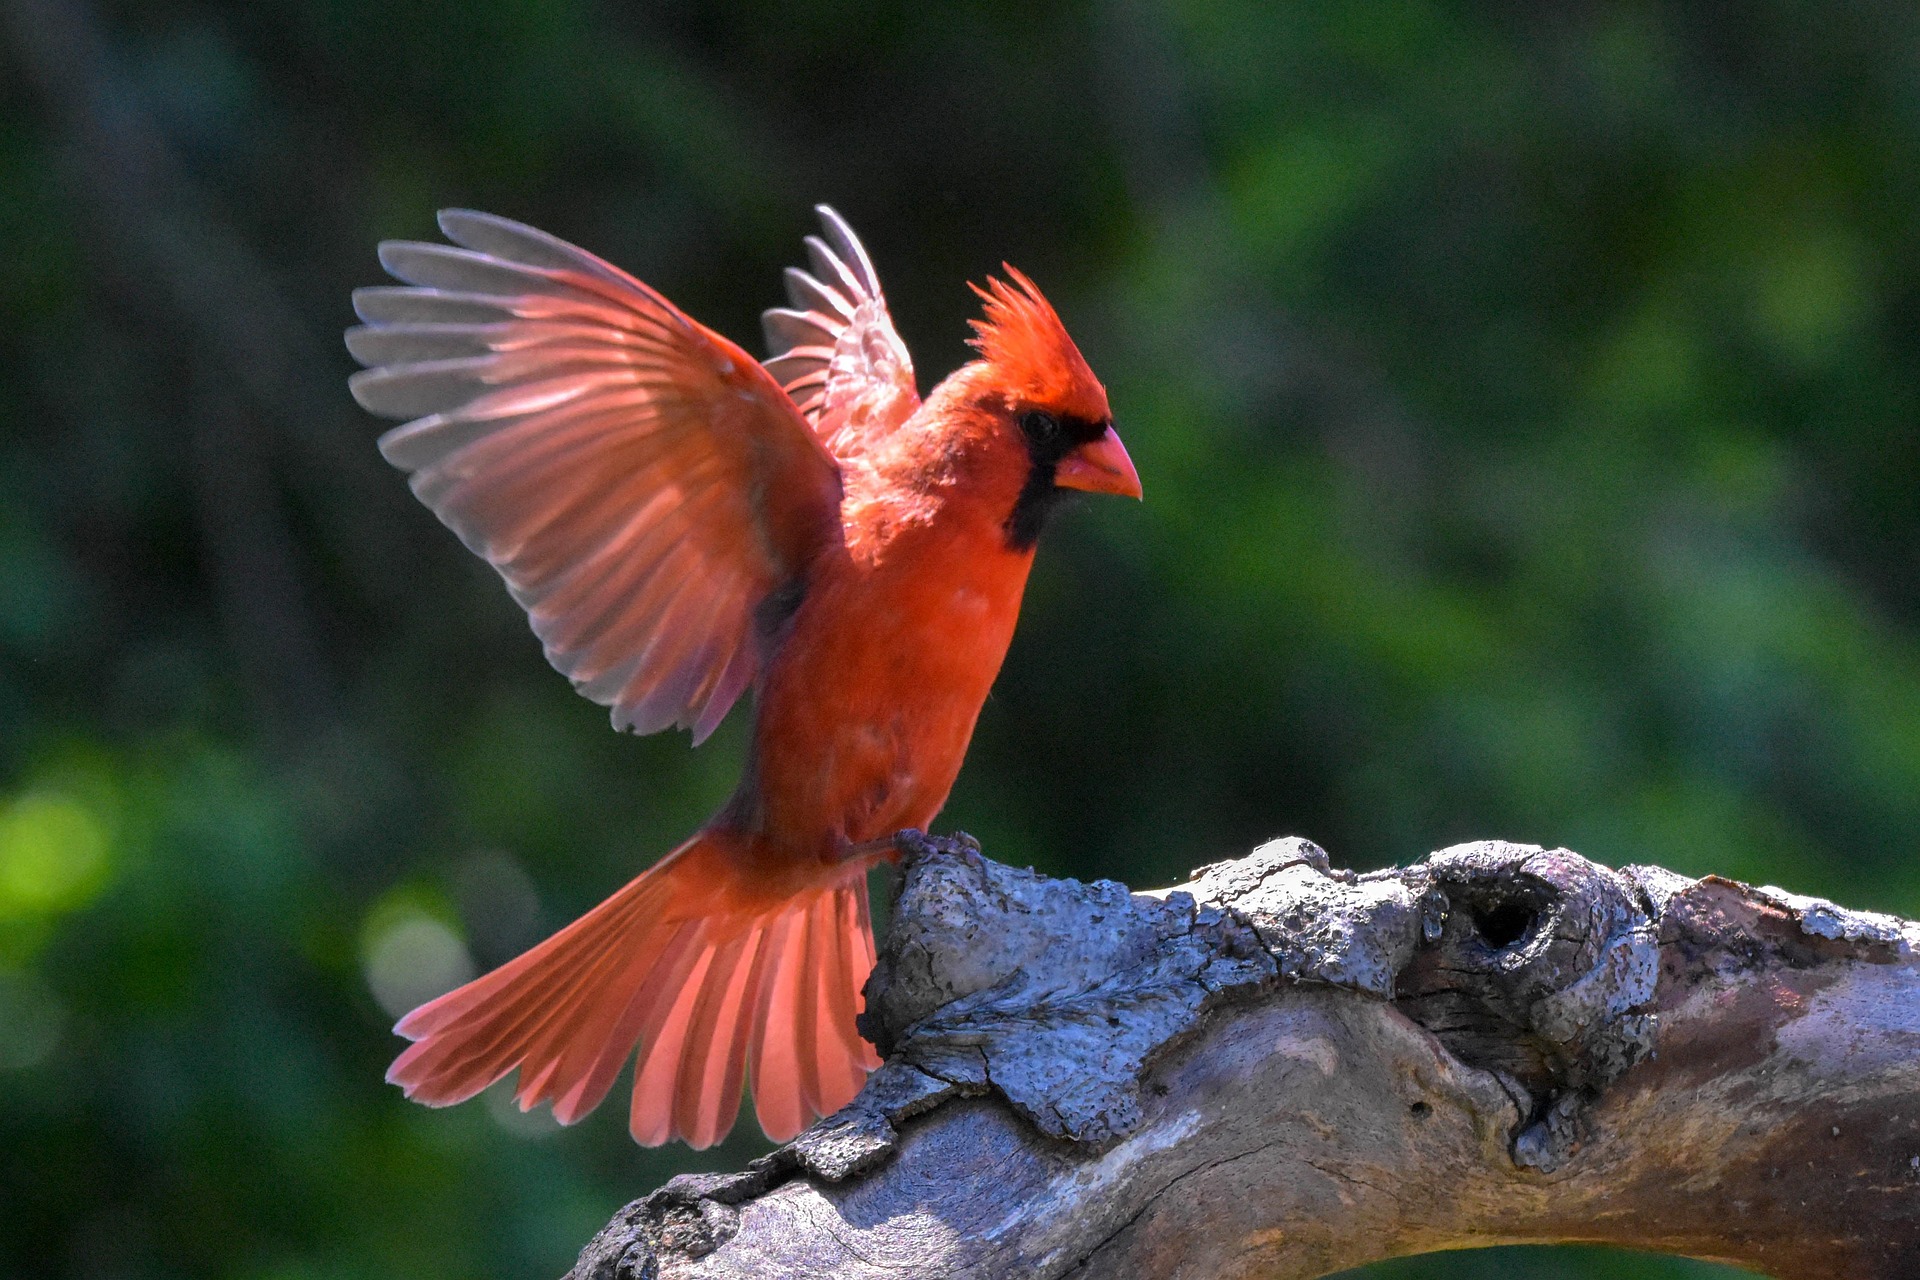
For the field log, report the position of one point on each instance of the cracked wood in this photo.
(1282, 1070)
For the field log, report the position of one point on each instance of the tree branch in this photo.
(1281, 1070)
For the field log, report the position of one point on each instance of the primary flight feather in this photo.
(682, 523)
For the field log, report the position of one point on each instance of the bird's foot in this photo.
(911, 843)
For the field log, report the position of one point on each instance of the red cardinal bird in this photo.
(681, 523)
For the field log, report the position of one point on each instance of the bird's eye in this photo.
(1039, 424)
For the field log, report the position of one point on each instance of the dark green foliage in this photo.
(1525, 397)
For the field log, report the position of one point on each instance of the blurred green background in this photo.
(1525, 396)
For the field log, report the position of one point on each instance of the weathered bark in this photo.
(1280, 1070)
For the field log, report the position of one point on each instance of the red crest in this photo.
(1027, 346)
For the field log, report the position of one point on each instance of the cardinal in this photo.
(684, 523)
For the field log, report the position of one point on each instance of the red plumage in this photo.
(682, 523)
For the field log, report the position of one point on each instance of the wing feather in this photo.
(835, 350)
(640, 482)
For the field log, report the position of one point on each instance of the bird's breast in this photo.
(866, 710)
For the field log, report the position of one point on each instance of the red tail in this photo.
(712, 980)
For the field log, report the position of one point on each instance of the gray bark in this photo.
(1281, 1070)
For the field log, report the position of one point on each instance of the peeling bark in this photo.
(1282, 1070)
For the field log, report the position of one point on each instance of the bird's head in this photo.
(1043, 399)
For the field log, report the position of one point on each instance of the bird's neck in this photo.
(951, 475)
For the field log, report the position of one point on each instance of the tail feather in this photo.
(577, 940)
(837, 1068)
(806, 1021)
(715, 1066)
(514, 1015)
(700, 1101)
(856, 934)
(528, 1028)
(651, 1119)
(775, 1058)
(631, 1003)
(717, 986)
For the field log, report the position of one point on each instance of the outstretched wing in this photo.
(642, 484)
(835, 351)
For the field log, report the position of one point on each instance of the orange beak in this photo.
(1099, 466)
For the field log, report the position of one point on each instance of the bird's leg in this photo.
(891, 848)
(902, 846)
(904, 843)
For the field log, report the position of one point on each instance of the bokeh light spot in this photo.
(55, 855)
(411, 956)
